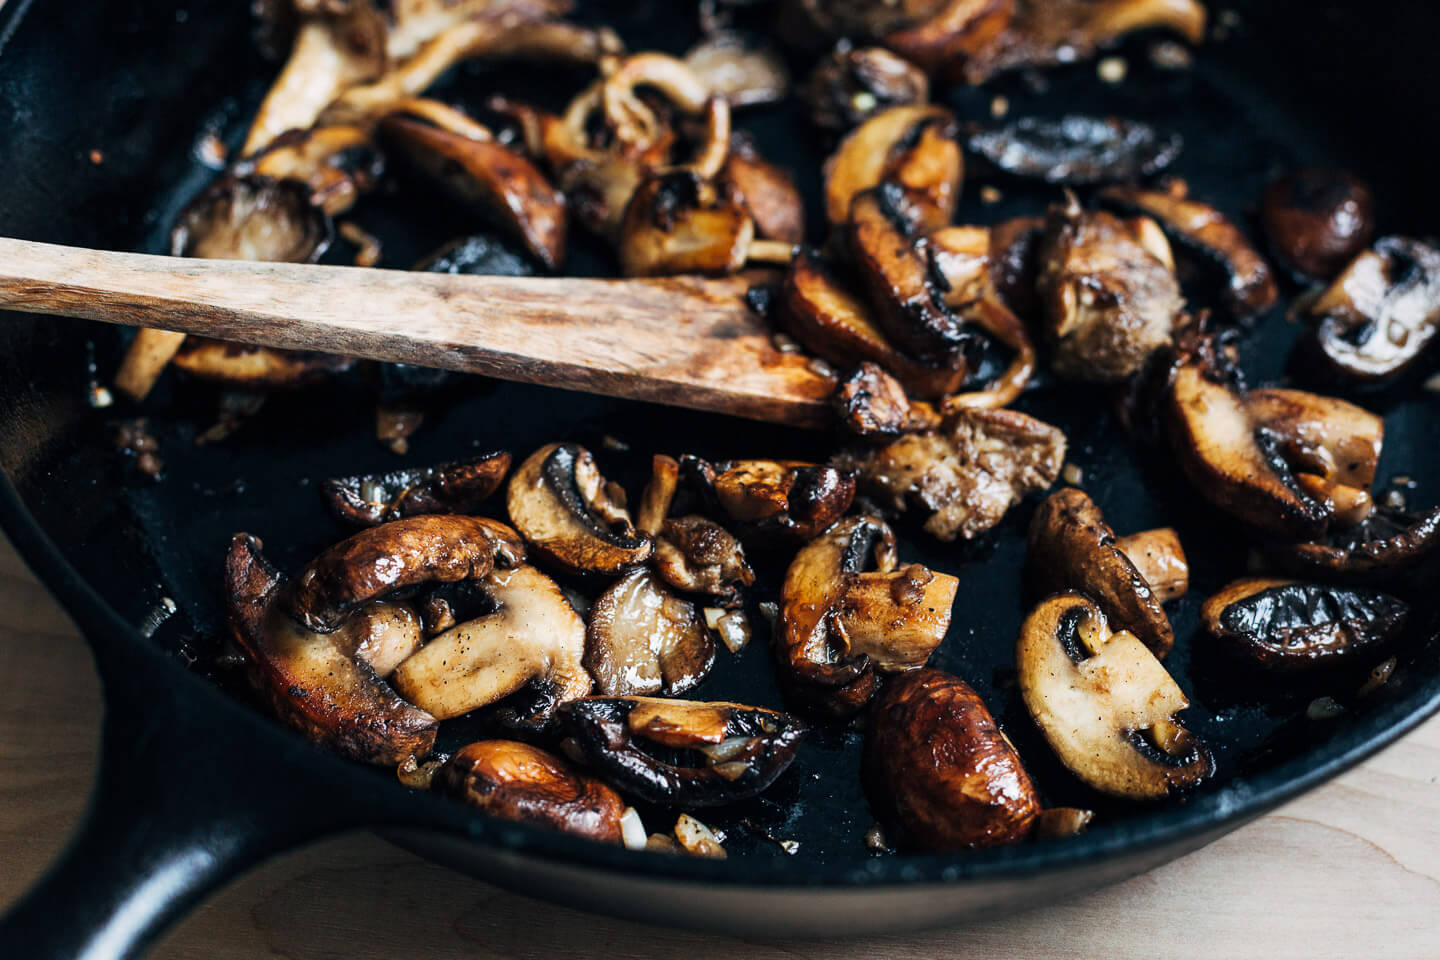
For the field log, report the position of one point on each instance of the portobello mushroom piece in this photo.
(840, 625)
(1383, 544)
(1105, 704)
(1109, 292)
(852, 84)
(936, 762)
(1382, 312)
(767, 192)
(1286, 625)
(1249, 284)
(1076, 149)
(533, 639)
(515, 781)
(368, 500)
(1318, 220)
(1073, 548)
(379, 562)
(321, 684)
(968, 472)
(643, 639)
(794, 499)
(683, 753)
(912, 147)
(571, 516)
(678, 222)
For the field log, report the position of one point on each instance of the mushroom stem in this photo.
(1160, 559)
(150, 352)
(770, 251)
(659, 492)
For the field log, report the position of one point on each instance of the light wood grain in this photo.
(1351, 870)
(685, 341)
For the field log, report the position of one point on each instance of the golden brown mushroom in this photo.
(913, 147)
(643, 639)
(794, 499)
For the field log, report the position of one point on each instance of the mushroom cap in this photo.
(911, 146)
(643, 639)
(1318, 220)
(252, 218)
(697, 555)
(1077, 149)
(852, 84)
(787, 497)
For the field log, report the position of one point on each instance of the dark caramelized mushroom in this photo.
(515, 781)
(798, 500)
(852, 84)
(679, 223)
(1077, 149)
(643, 639)
(698, 556)
(957, 31)
(714, 753)
(936, 762)
(767, 192)
(871, 403)
(1015, 263)
(1318, 220)
(368, 500)
(1288, 625)
(912, 147)
(1384, 543)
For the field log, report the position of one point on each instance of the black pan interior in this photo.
(100, 114)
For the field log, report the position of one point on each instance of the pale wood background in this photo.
(1351, 870)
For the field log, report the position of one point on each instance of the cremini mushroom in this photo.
(912, 147)
(1076, 149)
(1104, 703)
(693, 554)
(368, 500)
(643, 639)
(852, 84)
(786, 497)
(680, 222)
(683, 753)
(767, 192)
(1318, 220)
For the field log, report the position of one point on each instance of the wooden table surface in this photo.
(1352, 870)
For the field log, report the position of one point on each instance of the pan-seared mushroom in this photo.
(1382, 313)
(371, 499)
(1109, 291)
(382, 634)
(738, 68)
(798, 500)
(1288, 625)
(1318, 220)
(957, 31)
(839, 623)
(1073, 548)
(1384, 543)
(533, 638)
(1249, 284)
(1160, 559)
(242, 366)
(697, 555)
(869, 402)
(968, 472)
(417, 22)
(683, 753)
(515, 781)
(936, 762)
(570, 516)
(322, 684)
(767, 192)
(852, 84)
(380, 561)
(643, 639)
(337, 164)
(1104, 703)
(1077, 149)
(1015, 263)
(679, 223)
(912, 147)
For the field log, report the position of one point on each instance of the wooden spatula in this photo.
(685, 341)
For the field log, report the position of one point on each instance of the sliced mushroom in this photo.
(1382, 313)
(839, 623)
(1077, 149)
(1015, 263)
(1332, 440)
(416, 22)
(643, 639)
(1384, 543)
(515, 781)
(798, 500)
(1318, 220)
(382, 634)
(533, 638)
(375, 498)
(957, 31)
(1073, 548)
(852, 84)
(1288, 625)
(683, 753)
(1160, 559)
(337, 164)
(1249, 284)
(1104, 703)
(698, 556)
(912, 147)
(767, 192)
(241, 366)
(321, 684)
(571, 516)
(869, 402)
(743, 71)
(936, 762)
(680, 223)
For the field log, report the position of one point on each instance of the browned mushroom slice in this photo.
(804, 22)
(643, 639)
(796, 499)
(840, 623)
(852, 84)
(1288, 625)
(936, 762)
(515, 781)
(1318, 220)
(958, 31)
(243, 366)
(1109, 292)
(698, 556)
(1384, 543)
(1382, 313)
(336, 163)
(377, 562)
(679, 223)
(571, 516)
(1104, 703)
(1160, 559)
(1249, 285)
(970, 471)
(321, 684)
(869, 402)
(766, 191)
(490, 178)
(738, 68)
(371, 499)
(1323, 435)
(682, 753)
(1077, 149)
(1015, 263)
(1073, 548)
(913, 147)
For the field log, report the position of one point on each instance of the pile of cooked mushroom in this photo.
(572, 620)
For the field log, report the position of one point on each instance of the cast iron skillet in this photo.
(195, 785)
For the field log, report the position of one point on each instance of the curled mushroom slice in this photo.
(741, 70)
(324, 685)
(912, 147)
(1104, 703)
(936, 762)
(515, 781)
(1288, 625)
(684, 753)
(1077, 149)
(1249, 284)
(380, 561)
(371, 499)
(1384, 543)
(1073, 548)
(698, 556)
(644, 639)
(852, 84)
(767, 192)
(839, 623)
(570, 516)
(788, 497)
(1382, 312)
(1318, 220)
(533, 639)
